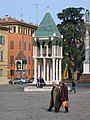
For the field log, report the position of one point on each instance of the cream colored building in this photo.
(3, 54)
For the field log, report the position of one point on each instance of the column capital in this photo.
(47, 50)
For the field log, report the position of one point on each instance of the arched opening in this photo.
(44, 48)
(49, 48)
(38, 48)
(18, 64)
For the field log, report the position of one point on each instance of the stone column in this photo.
(58, 51)
(34, 50)
(60, 70)
(35, 70)
(54, 50)
(61, 51)
(57, 69)
(38, 69)
(86, 63)
(47, 71)
(53, 69)
(51, 78)
(44, 69)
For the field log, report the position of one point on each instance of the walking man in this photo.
(73, 86)
(55, 98)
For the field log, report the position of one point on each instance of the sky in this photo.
(34, 10)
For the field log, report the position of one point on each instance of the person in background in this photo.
(55, 98)
(38, 83)
(41, 82)
(63, 94)
(73, 86)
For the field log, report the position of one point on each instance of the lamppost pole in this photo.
(11, 72)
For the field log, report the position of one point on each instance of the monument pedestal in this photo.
(85, 77)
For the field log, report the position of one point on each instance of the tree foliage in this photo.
(73, 29)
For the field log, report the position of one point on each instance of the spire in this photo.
(47, 8)
(21, 56)
(47, 27)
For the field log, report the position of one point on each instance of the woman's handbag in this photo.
(66, 104)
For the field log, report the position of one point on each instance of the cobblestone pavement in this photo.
(15, 104)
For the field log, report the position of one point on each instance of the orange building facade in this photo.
(20, 48)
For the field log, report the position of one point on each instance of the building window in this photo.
(24, 45)
(29, 46)
(25, 31)
(32, 32)
(2, 40)
(29, 72)
(29, 32)
(1, 55)
(0, 72)
(19, 30)
(12, 44)
(11, 59)
(19, 44)
(13, 29)
(18, 65)
(29, 60)
(9, 29)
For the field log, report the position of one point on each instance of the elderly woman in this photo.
(64, 94)
(55, 98)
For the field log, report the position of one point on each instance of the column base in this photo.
(84, 78)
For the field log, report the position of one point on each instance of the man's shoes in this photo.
(56, 110)
(49, 110)
(66, 111)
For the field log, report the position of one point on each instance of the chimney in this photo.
(6, 18)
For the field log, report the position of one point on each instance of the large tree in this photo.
(72, 28)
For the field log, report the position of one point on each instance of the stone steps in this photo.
(34, 88)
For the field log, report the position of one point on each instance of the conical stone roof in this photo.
(47, 27)
(21, 56)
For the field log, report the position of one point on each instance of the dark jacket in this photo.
(73, 84)
(55, 97)
(63, 92)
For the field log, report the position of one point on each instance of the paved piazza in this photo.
(15, 104)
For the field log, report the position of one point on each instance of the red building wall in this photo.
(16, 37)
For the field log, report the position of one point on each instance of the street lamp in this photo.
(11, 72)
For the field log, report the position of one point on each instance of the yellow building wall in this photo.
(4, 63)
